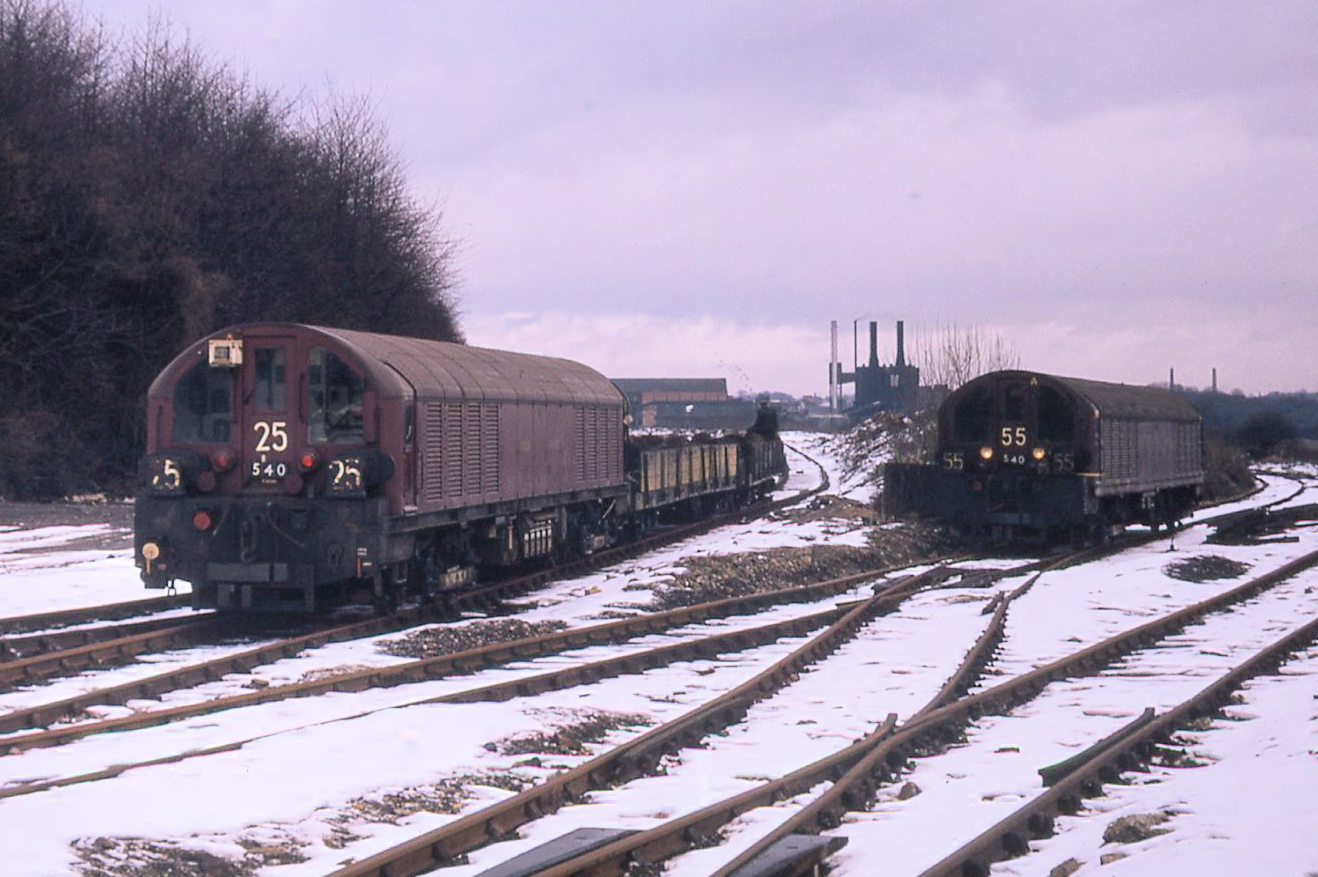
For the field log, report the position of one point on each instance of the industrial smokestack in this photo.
(1171, 379)
(833, 370)
(1214, 380)
(901, 344)
(874, 345)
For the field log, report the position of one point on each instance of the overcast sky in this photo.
(698, 188)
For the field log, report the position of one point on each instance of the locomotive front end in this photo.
(265, 480)
(1011, 447)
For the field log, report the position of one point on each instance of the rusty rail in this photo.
(109, 612)
(883, 756)
(567, 677)
(458, 663)
(633, 758)
(1084, 775)
(99, 647)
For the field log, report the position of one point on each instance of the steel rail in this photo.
(1129, 749)
(109, 612)
(158, 635)
(633, 758)
(458, 663)
(854, 789)
(16, 648)
(556, 680)
(943, 724)
(692, 829)
(428, 669)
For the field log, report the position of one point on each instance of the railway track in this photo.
(637, 757)
(42, 656)
(470, 832)
(531, 682)
(929, 730)
(456, 664)
(61, 644)
(48, 621)
(1133, 747)
(861, 767)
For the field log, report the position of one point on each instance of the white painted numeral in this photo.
(271, 437)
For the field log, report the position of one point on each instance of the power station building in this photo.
(894, 387)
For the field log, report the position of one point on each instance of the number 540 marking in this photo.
(272, 436)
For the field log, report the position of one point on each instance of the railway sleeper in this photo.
(572, 845)
(1041, 825)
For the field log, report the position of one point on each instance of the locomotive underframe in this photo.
(1015, 506)
(295, 554)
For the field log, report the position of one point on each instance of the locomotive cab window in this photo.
(334, 399)
(973, 419)
(1056, 423)
(270, 379)
(1014, 398)
(203, 404)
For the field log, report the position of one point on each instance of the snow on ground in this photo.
(38, 575)
(1248, 810)
(831, 451)
(967, 790)
(309, 759)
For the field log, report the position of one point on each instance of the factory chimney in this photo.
(874, 345)
(1171, 378)
(832, 371)
(1214, 380)
(901, 345)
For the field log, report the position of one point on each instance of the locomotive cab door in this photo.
(1015, 430)
(268, 413)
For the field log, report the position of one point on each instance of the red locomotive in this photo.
(293, 467)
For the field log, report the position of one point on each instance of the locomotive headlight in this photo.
(1038, 454)
(986, 453)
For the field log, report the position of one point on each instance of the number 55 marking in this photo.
(1013, 436)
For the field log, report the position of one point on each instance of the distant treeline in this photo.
(149, 196)
(1260, 424)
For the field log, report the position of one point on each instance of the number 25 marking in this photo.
(272, 436)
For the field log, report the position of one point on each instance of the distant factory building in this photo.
(893, 387)
(685, 403)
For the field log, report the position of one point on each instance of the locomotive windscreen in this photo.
(974, 416)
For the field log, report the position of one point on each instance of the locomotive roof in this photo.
(1115, 400)
(442, 369)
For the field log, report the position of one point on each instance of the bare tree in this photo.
(951, 355)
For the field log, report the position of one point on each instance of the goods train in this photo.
(293, 467)
(1028, 457)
